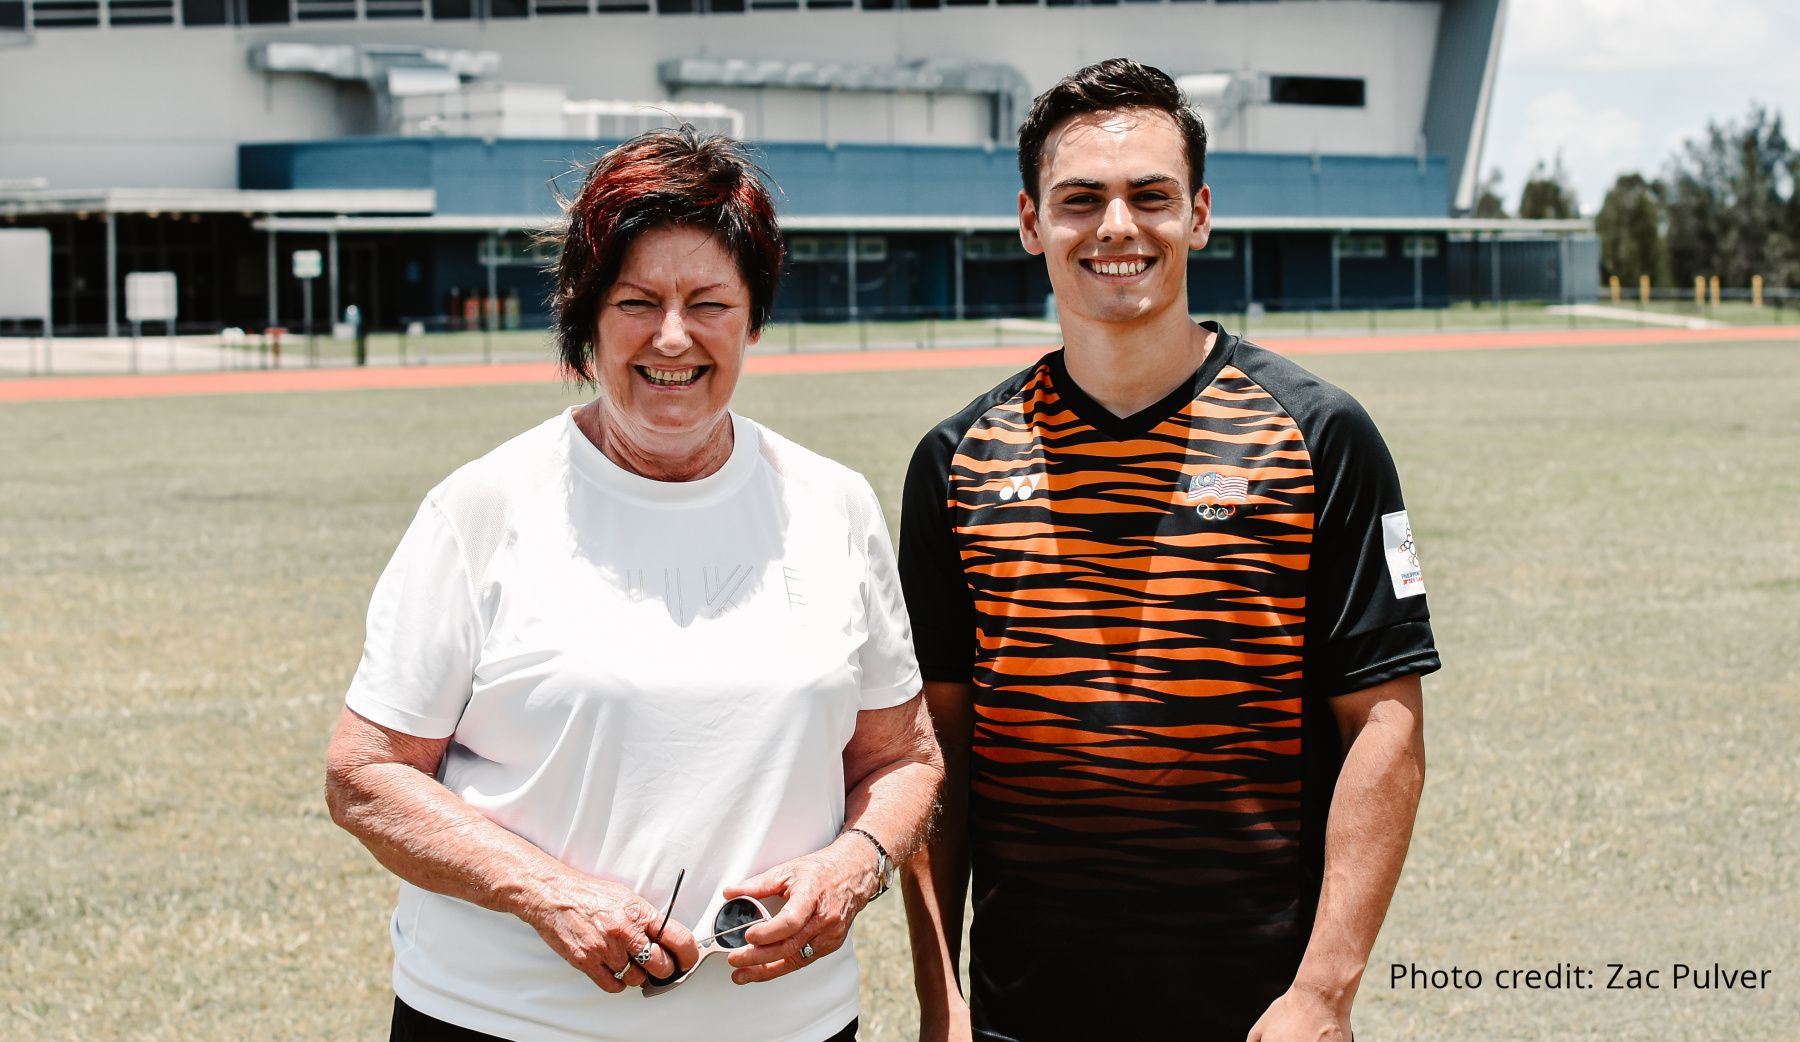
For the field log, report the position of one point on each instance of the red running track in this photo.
(270, 381)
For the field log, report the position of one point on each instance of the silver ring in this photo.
(621, 974)
(806, 951)
(642, 957)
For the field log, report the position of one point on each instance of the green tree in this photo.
(1487, 200)
(1630, 225)
(1547, 194)
(1731, 210)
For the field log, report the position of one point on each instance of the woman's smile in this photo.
(662, 377)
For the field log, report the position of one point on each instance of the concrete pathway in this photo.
(1647, 318)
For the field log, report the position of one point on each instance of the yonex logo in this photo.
(1022, 486)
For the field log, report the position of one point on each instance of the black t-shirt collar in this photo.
(1100, 418)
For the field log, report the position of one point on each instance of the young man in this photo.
(1165, 599)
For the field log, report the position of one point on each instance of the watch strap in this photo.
(884, 865)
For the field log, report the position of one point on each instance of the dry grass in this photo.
(1610, 537)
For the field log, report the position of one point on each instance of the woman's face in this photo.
(670, 340)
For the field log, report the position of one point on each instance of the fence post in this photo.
(1715, 291)
(1700, 292)
(1643, 291)
(1615, 290)
(1756, 291)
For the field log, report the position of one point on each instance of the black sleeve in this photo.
(1360, 631)
(938, 599)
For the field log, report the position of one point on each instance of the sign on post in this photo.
(308, 264)
(25, 278)
(150, 296)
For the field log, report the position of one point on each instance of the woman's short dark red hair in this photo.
(664, 177)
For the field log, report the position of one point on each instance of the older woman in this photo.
(641, 675)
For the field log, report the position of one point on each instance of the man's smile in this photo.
(1118, 267)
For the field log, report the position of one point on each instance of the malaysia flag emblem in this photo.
(1215, 487)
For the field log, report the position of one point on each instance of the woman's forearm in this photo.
(894, 770)
(379, 789)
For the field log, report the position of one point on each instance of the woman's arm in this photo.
(379, 784)
(892, 771)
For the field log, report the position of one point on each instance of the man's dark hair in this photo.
(1117, 83)
(664, 177)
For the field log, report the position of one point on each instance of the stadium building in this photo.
(420, 144)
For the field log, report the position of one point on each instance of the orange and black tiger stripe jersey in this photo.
(1155, 612)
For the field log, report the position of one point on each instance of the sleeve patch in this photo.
(1402, 555)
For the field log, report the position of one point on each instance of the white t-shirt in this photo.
(638, 677)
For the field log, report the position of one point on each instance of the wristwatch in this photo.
(884, 865)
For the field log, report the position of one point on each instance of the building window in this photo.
(1218, 248)
(994, 248)
(804, 249)
(1362, 247)
(140, 12)
(1421, 246)
(266, 12)
(65, 14)
(373, 9)
(324, 10)
(204, 12)
(543, 7)
(835, 249)
(1316, 90)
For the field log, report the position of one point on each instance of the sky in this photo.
(1617, 85)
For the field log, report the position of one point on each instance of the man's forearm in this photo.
(1366, 840)
(935, 884)
(936, 880)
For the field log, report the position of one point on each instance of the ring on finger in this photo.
(642, 955)
(806, 950)
(620, 975)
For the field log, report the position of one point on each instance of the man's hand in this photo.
(1366, 836)
(1302, 1016)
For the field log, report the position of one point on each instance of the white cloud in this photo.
(1617, 35)
(1593, 145)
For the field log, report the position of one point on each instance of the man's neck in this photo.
(1128, 367)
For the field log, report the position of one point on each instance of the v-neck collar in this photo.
(1101, 418)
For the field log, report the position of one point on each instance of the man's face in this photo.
(1116, 215)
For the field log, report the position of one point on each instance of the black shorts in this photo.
(412, 1026)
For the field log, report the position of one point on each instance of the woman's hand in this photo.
(824, 891)
(596, 925)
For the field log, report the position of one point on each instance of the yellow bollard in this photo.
(1644, 290)
(1756, 291)
(1715, 291)
(1615, 289)
(1699, 291)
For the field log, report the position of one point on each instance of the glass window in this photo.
(1421, 246)
(65, 14)
(1362, 247)
(1316, 90)
(1218, 247)
(204, 12)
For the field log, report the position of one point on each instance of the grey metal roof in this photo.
(503, 223)
(219, 200)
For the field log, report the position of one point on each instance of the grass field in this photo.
(1612, 543)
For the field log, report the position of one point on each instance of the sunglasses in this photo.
(728, 926)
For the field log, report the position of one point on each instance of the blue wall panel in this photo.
(513, 176)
